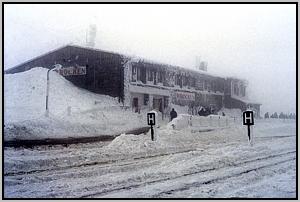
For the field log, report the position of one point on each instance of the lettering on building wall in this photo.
(185, 96)
(69, 71)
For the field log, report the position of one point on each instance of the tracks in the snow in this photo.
(275, 136)
(135, 182)
(107, 163)
(188, 186)
(245, 166)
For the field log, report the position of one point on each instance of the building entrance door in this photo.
(135, 104)
(157, 104)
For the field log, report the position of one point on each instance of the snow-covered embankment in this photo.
(73, 112)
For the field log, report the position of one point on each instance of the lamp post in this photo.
(47, 91)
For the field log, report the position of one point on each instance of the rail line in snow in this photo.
(107, 163)
(118, 160)
(188, 186)
(124, 185)
(137, 182)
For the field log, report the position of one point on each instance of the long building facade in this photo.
(141, 84)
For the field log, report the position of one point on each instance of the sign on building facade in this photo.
(185, 96)
(70, 71)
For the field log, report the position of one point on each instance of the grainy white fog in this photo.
(255, 42)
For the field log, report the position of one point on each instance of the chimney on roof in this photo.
(91, 35)
(201, 65)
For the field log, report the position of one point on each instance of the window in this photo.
(236, 89)
(207, 85)
(192, 82)
(138, 74)
(134, 74)
(200, 84)
(183, 80)
(178, 80)
(243, 91)
(150, 75)
(143, 75)
(146, 99)
(155, 77)
(214, 86)
(160, 77)
(166, 102)
(169, 79)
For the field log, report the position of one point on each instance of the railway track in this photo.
(101, 164)
(128, 184)
(152, 175)
(194, 185)
(271, 160)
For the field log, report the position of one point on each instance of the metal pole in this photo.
(47, 93)
(152, 133)
(94, 80)
(249, 132)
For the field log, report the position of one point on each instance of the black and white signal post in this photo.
(151, 123)
(248, 119)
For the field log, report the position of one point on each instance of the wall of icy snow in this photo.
(72, 111)
(26, 91)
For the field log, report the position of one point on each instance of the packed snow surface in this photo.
(73, 111)
(182, 163)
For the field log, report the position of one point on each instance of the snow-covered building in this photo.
(142, 84)
(236, 96)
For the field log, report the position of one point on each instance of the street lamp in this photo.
(47, 90)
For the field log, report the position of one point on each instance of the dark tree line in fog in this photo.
(281, 115)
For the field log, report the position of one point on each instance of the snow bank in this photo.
(169, 140)
(237, 113)
(73, 111)
(211, 121)
(181, 121)
(26, 92)
(129, 144)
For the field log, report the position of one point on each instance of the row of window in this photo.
(171, 79)
(239, 90)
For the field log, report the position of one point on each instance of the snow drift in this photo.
(73, 111)
(201, 122)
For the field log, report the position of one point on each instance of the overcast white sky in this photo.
(256, 42)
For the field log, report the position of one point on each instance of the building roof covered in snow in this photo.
(132, 58)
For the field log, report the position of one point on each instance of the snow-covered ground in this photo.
(192, 156)
(180, 163)
(73, 112)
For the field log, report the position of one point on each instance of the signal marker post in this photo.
(248, 119)
(151, 122)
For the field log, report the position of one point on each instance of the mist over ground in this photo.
(248, 41)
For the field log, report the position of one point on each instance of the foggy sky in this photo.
(256, 42)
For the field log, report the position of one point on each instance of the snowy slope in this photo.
(73, 111)
(26, 91)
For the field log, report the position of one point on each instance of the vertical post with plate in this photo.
(151, 122)
(248, 119)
